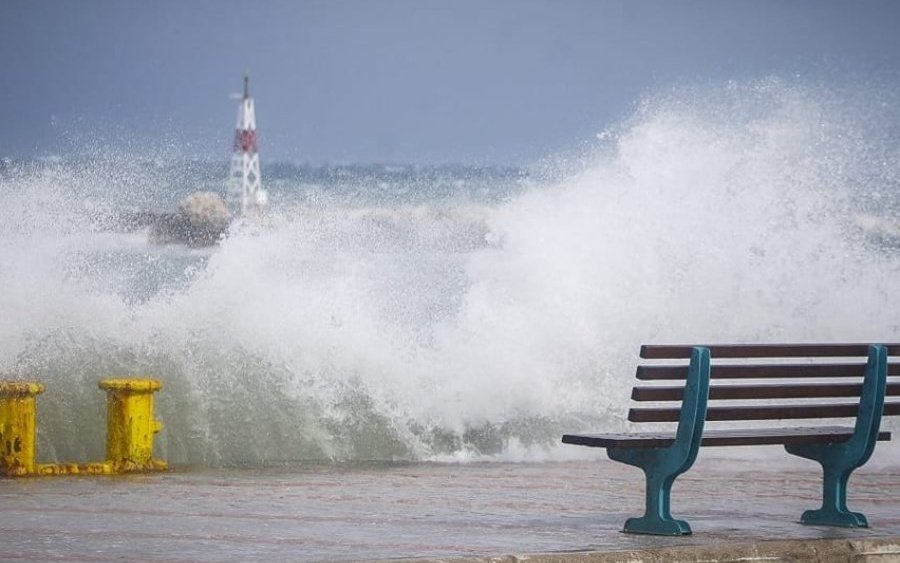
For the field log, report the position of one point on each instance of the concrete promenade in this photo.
(740, 510)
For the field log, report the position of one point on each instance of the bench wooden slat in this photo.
(665, 351)
(761, 391)
(761, 412)
(786, 371)
(739, 437)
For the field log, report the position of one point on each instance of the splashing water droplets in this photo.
(456, 327)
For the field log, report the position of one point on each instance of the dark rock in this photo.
(201, 220)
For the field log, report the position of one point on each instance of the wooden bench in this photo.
(753, 383)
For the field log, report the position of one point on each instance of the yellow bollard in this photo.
(130, 425)
(17, 427)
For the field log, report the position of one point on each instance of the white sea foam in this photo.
(461, 329)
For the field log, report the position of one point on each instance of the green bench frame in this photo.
(839, 450)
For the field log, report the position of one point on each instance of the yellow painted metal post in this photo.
(130, 425)
(17, 427)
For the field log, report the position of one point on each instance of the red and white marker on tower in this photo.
(244, 184)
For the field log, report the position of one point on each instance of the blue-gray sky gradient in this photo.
(397, 80)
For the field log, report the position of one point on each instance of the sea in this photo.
(449, 313)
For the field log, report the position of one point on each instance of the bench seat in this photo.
(737, 437)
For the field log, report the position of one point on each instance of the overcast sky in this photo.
(475, 81)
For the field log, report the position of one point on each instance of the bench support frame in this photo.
(840, 460)
(662, 465)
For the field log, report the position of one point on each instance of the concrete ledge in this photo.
(880, 550)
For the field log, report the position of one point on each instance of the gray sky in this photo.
(475, 81)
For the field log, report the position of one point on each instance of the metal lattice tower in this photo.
(244, 185)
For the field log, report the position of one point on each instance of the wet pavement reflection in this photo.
(380, 511)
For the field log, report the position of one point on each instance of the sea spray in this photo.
(457, 326)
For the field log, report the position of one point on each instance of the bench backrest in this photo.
(767, 382)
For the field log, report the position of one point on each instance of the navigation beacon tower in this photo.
(244, 180)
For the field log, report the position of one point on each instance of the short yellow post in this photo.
(17, 427)
(130, 425)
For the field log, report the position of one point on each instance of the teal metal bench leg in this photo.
(657, 515)
(839, 460)
(662, 465)
(834, 510)
(657, 518)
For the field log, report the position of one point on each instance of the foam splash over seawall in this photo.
(462, 329)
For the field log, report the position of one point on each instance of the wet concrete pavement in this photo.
(424, 510)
